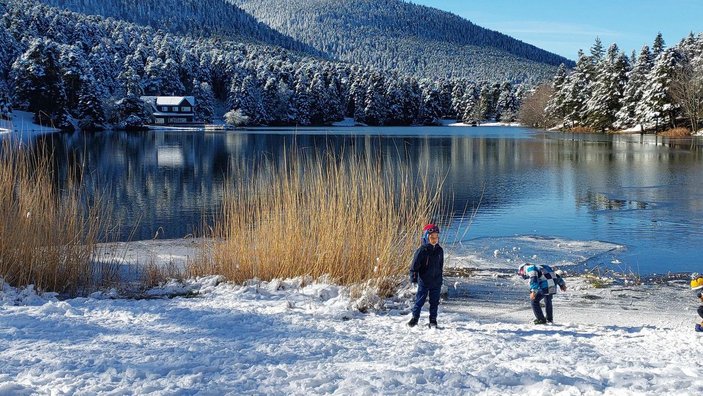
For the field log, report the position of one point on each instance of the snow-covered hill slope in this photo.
(394, 34)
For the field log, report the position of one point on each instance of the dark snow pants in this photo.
(537, 309)
(700, 311)
(420, 298)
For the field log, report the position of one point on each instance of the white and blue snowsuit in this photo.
(543, 282)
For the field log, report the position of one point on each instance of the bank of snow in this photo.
(293, 337)
(486, 124)
(22, 124)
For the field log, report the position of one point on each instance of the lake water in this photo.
(631, 202)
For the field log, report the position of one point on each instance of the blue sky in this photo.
(565, 26)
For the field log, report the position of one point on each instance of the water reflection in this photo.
(639, 191)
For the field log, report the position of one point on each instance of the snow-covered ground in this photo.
(486, 124)
(298, 337)
(22, 124)
(347, 122)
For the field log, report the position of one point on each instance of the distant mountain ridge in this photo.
(412, 38)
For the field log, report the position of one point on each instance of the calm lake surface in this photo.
(641, 193)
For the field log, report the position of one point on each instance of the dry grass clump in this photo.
(580, 129)
(354, 219)
(675, 132)
(47, 235)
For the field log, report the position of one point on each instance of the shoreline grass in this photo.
(47, 236)
(352, 219)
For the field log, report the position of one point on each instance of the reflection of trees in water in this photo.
(599, 201)
(170, 180)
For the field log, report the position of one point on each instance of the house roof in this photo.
(168, 100)
(163, 114)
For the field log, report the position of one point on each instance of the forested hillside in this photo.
(208, 18)
(659, 88)
(394, 34)
(70, 68)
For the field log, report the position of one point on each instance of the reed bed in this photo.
(47, 236)
(351, 219)
(675, 132)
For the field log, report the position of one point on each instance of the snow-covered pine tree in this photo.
(471, 112)
(657, 107)
(507, 105)
(5, 102)
(634, 89)
(89, 109)
(458, 91)
(302, 101)
(204, 101)
(277, 101)
(251, 100)
(556, 108)
(597, 51)
(604, 101)
(36, 76)
(658, 46)
(430, 111)
(323, 103)
(577, 91)
(412, 100)
(375, 104)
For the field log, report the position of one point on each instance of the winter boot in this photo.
(413, 322)
(540, 321)
(699, 327)
(432, 324)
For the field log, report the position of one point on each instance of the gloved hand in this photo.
(413, 277)
(563, 288)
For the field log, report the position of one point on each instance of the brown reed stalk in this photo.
(47, 236)
(351, 218)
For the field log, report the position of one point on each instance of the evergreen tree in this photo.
(89, 109)
(577, 88)
(657, 106)
(5, 102)
(636, 84)
(658, 46)
(607, 91)
(251, 100)
(204, 101)
(556, 106)
(597, 51)
(38, 84)
(375, 103)
(430, 111)
(471, 111)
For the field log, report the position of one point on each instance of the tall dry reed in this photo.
(351, 218)
(47, 235)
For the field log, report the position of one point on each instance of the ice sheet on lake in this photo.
(510, 252)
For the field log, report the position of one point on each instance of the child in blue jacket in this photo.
(426, 270)
(543, 285)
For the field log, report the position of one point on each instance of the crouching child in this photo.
(426, 270)
(543, 285)
(697, 286)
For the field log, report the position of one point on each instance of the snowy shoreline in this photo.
(298, 337)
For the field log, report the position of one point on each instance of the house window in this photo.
(185, 108)
(174, 108)
(159, 120)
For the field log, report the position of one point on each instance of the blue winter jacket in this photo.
(543, 279)
(427, 266)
